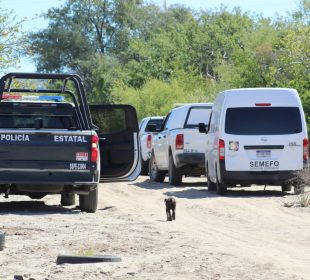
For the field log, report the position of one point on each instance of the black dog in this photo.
(170, 208)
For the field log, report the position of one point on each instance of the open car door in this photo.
(119, 143)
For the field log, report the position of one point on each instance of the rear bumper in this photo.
(48, 178)
(190, 159)
(256, 177)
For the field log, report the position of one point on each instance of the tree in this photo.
(11, 44)
(83, 36)
(157, 97)
(82, 28)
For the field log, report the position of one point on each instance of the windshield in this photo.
(263, 121)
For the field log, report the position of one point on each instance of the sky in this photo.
(31, 9)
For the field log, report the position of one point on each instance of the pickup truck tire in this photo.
(174, 173)
(211, 185)
(144, 167)
(156, 175)
(286, 188)
(67, 199)
(221, 189)
(88, 203)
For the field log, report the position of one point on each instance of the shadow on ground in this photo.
(149, 185)
(200, 193)
(199, 190)
(33, 208)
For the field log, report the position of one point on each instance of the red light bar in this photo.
(262, 104)
(8, 96)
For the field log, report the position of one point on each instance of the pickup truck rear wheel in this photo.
(88, 203)
(67, 199)
(144, 167)
(211, 185)
(175, 174)
(156, 175)
(221, 189)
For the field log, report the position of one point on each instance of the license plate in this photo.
(263, 154)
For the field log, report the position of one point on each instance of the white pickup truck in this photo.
(179, 149)
(146, 140)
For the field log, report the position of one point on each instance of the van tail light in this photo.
(221, 149)
(149, 141)
(179, 142)
(94, 148)
(306, 149)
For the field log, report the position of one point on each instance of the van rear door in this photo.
(264, 139)
(118, 133)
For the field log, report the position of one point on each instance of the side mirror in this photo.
(202, 128)
(152, 128)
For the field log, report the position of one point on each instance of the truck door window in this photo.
(197, 115)
(109, 121)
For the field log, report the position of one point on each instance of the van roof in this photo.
(260, 89)
(249, 97)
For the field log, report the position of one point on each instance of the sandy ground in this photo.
(247, 234)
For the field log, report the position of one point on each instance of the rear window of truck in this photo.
(263, 121)
(197, 115)
(158, 123)
(24, 115)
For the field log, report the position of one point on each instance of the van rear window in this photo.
(197, 115)
(263, 121)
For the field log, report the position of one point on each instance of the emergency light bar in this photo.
(34, 97)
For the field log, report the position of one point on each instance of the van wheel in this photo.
(286, 188)
(156, 175)
(298, 189)
(67, 199)
(88, 203)
(221, 189)
(211, 185)
(175, 174)
(144, 167)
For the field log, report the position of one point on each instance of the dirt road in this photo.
(247, 234)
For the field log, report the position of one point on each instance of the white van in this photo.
(255, 136)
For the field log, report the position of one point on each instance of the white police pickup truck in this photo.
(179, 149)
(53, 142)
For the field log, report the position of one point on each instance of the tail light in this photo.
(94, 148)
(149, 141)
(306, 149)
(262, 104)
(179, 142)
(221, 149)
